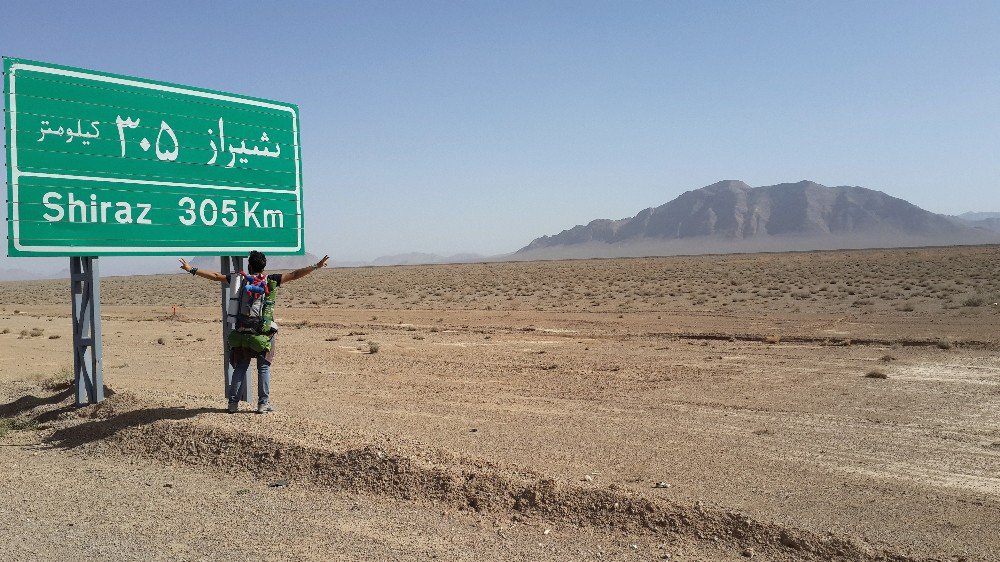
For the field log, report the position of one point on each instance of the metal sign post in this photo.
(85, 288)
(230, 267)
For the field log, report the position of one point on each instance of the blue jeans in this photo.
(240, 368)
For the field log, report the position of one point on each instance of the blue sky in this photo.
(476, 126)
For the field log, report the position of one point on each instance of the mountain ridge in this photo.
(787, 216)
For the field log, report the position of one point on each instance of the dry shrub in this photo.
(974, 301)
(16, 424)
(876, 374)
(60, 381)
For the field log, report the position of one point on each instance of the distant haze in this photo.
(725, 217)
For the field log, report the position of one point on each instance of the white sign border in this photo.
(76, 250)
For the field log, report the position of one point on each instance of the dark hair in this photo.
(256, 262)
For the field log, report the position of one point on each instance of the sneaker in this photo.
(234, 407)
(264, 408)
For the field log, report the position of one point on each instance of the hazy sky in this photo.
(476, 126)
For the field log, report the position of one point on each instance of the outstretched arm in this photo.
(203, 273)
(303, 271)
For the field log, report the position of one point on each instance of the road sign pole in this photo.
(85, 290)
(227, 292)
(230, 267)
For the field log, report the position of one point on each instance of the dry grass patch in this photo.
(16, 424)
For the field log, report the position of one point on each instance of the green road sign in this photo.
(102, 164)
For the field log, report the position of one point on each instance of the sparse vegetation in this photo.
(974, 301)
(59, 381)
(16, 424)
(858, 283)
(575, 362)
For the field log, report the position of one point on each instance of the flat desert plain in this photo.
(805, 406)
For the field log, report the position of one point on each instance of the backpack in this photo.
(255, 311)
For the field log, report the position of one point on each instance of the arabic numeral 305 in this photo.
(161, 154)
(208, 212)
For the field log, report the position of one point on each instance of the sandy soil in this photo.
(520, 397)
(58, 504)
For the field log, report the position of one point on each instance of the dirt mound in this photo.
(283, 447)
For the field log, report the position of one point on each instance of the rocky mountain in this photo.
(17, 274)
(989, 222)
(731, 216)
(977, 216)
(990, 225)
(274, 263)
(54, 268)
(418, 258)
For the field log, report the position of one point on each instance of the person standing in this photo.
(253, 336)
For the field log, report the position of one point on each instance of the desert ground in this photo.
(800, 406)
